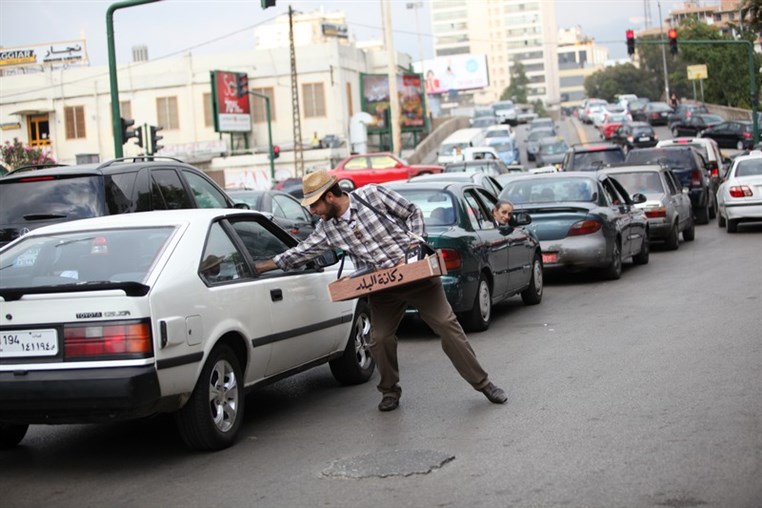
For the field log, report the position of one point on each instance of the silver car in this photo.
(668, 206)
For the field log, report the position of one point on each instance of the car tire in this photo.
(478, 318)
(614, 270)
(689, 233)
(702, 215)
(720, 220)
(356, 365)
(347, 185)
(713, 208)
(211, 418)
(11, 434)
(532, 295)
(642, 257)
(732, 225)
(672, 242)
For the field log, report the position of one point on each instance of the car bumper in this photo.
(78, 395)
(460, 293)
(744, 211)
(659, 229)
(588, 251)
(699, 198)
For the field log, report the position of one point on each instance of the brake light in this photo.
(695, 178)
(584, 227)
(743, 191)
(114, 339)
(746, 135)
(37, 178)
(452, 259)
(656, 213)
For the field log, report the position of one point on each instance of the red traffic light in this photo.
(630, 42)
(630, 34)
(672, 34)
(276, 152)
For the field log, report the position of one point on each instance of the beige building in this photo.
(578, 57)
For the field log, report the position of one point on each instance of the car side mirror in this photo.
(242, 206)
(639, 198)
(520, 219)
(327, 258)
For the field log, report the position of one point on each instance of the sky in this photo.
(174, 27)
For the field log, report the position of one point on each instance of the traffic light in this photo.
(672, 34)
(154, 139)
(139, 135)
(630, 42)
(241, 84)
(275, 152)
(267, 3)
(127, 132)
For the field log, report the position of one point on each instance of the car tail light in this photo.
(695, 178)
(584, 227)
(713, 169)
(452, 259)
(746, 135)
(656, 213)
(743, 191)
(37, 179)
(123, 339)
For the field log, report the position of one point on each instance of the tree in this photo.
(751, 10)
(16, 155)
(625, 78)
(517, 90)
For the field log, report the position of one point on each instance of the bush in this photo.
(16, 155)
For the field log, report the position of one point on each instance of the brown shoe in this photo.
(388, 403)
(494, 394)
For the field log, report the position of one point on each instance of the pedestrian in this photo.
(673, 100)
(502, 212)
(315, 141)
(372, 241)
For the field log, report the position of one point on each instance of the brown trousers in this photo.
(387, 308)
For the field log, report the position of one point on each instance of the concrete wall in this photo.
(425, 150)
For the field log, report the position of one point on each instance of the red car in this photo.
(362, 169)
(611, 124)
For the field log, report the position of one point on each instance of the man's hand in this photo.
(265, 266)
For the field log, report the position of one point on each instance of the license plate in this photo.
(15, 343)
(549, 257)
(644, 138)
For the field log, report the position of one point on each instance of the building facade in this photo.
(578, 57)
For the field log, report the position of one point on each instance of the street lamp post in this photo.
(663, 54)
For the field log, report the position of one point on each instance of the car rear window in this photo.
(36, 198)
(673, 158)
(749, 167)
(549, 190)
(642, 131)
(438, 206)
(647, 183)
(597, 158)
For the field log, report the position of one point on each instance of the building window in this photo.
(208, 113)
(259, 110)
(39, 130)
(166, 113)
(349, 100)
(75, 122)
(314, 100)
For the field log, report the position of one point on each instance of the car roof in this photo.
(590, 175)
(438, 184)
(595, 147)
(106, 168)
(633, 168)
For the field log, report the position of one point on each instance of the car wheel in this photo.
(356, 365)
(212, 416)
(739, 145)
(713, 208)
(702, 215)
(11, 434)
(532, 295)
(614, 270)
(732, 225)
(720, 220)
(642, 257)
(689, 233)
(478, 318)
(672, 241)
(347, 185)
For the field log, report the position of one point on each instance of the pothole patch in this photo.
(388, 463)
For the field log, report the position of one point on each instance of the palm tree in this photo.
(751, 13)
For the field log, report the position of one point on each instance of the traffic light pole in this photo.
(752, 81)
(269, 132)
(116, 117)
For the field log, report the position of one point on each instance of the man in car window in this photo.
(375, 241)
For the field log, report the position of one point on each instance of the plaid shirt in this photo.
(370, 240)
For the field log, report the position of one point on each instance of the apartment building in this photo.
(578, 57)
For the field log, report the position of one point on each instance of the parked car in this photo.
(739, 198)
(117, 318)
(533, 141)
(694, 124)
(551, 152)
(591, 157)
(485, 263)
(39, 197)
(287, 211)
(655, 113)
(480, 178)
(583, 220)
(667, 207)
(733, 134)
(690, 168)
(490, 167)
(362, 169)
(634, 135)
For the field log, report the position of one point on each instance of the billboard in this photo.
(231, 113)
(451, 74)
(375, 101)
(54, 53)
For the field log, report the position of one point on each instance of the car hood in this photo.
(551, 221)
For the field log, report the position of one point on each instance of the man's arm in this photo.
(265, 266)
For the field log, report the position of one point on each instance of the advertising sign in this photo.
(375, 101)
(231, 112)
(451, 74)
(40, 54)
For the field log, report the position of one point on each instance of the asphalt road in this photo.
(642, 392)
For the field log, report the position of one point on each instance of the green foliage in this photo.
(517, 90)
(539, 108)
(625, 78)
(16, 155)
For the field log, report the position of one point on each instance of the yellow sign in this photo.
(697, 72)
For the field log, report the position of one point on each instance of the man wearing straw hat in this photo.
(374, 241)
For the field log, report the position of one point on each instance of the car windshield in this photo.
(82, 257)
(549, 190)
(438, 206)
(642, 131)
(554, 148)
(37, 198)
(645, 182)
(596, 158)
(617, 118)
(502, 147)
(749, 167)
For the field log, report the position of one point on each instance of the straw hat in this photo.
(210, 262)
(315, 185)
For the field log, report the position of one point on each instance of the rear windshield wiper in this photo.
(43, 216)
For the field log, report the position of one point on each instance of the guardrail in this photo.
(433, 140)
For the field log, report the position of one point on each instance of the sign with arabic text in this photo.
(55, 53)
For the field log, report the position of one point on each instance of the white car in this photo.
(121, 317)
(739, 197)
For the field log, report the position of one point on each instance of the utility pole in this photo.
(296, 117)
(663, 54)
(394, 103)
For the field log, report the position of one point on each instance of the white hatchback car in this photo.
(739, 197)
(120, 317)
